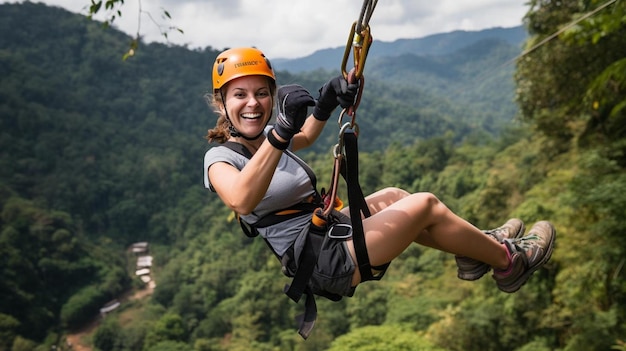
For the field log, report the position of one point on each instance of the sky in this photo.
(297, 28)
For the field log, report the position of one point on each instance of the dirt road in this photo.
(80, 340)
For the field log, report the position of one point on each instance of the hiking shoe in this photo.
(528, 254)
(471, 269)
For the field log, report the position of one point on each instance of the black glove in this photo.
(335, 92)
(292, 104)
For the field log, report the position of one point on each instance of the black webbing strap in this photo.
(358, 206)
(357, 203)
(306, 320)
(299, 286)
(238, 148)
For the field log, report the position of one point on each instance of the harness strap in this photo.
(284, 214)
(306, 320)
(306, 264)
(242, 150)
(299, 284)
(358, 207)
(308, 257)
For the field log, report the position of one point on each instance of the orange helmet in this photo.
(240, 62)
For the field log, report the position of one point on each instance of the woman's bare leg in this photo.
(423, 219)
(382, 199)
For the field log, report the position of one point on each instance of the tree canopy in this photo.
(97, 154)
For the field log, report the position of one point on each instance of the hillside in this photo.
(440, 44)
(97, 153)
(470, 70)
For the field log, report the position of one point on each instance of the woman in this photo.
(267, 180)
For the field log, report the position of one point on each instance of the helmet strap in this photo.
(236, 134)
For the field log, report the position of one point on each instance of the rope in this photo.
(366, 14)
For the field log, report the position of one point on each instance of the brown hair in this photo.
(221, 132)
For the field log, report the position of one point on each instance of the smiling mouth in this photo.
(251, 115)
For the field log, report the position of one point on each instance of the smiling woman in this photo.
(256, 174)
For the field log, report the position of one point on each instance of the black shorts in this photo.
(335, 267)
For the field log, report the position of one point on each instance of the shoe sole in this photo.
(483, 269)
(524, 278)
(475, 274)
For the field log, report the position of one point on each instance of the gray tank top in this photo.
(290, 185)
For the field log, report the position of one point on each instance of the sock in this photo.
(508, 270)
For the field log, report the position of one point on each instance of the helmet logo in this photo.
(246, 63)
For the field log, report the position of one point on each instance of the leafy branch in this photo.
(113, 9)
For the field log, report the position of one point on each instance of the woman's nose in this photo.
(253, 101)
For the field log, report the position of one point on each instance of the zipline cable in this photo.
(559, 32)
(543, 42)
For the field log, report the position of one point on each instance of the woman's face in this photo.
(248, 101)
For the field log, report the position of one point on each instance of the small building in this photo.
(144, 261)
(109, 307)
(140, 248)
(143, 271)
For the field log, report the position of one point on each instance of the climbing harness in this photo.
(325, 220)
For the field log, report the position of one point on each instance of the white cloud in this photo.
(296, 28)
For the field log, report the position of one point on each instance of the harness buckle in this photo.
(340, 231)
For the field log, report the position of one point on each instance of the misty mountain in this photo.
(433, 45)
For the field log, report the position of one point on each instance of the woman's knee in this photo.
(384, 198)
(388, 195)
(428, 202)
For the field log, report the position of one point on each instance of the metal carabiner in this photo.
(340, 143)
(359, 39)
(360, 42)
(341, 117)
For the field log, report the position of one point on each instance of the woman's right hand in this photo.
(293, 102)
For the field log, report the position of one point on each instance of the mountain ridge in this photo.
(432, 45)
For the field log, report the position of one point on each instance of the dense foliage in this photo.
(96, 153)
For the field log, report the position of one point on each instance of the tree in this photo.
(589, 52)
(169, 328)
(8, 330)
(382, 338)
(113, 8)
(572, 87)
(106, 334)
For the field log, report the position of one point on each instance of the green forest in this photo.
(98, 153)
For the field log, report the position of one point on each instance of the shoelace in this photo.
(498, 233)
(526, 241)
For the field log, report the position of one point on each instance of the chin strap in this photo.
(235, 133)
